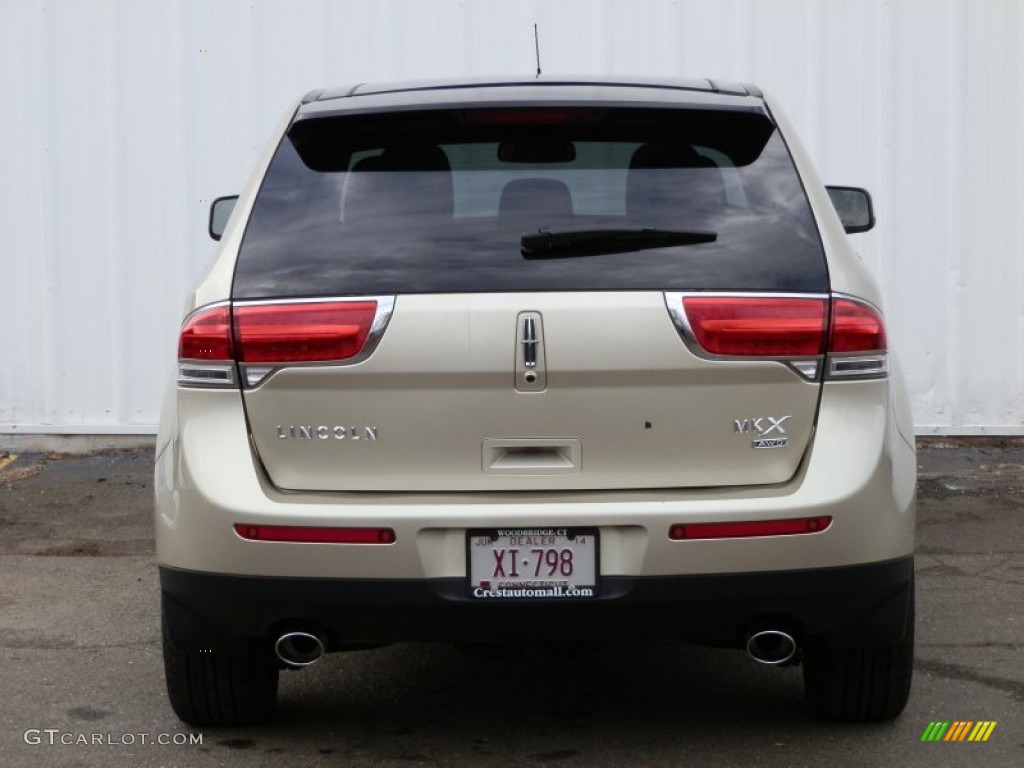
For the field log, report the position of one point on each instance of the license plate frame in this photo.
(516, 551)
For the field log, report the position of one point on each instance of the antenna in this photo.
(536, 46)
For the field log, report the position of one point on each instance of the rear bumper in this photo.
(850, 606)
(859, 472)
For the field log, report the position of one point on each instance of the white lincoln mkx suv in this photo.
(513, 361)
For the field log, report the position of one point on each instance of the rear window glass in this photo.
(443, 201)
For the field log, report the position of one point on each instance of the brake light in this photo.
(302, 333)
(750, 528)
(856, 327)
(795, 330)
(206, 335)
(530, 116)
(266, 336)
(757, 326)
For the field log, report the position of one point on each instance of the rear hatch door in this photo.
(526, 270)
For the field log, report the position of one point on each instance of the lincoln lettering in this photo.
(326, 432)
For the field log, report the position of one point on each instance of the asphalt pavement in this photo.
(81, 675)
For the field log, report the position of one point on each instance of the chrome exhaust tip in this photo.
(299, 649)
(771, 646)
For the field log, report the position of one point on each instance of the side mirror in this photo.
(853, 205)
(220, 212)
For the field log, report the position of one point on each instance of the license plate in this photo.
(533, 563)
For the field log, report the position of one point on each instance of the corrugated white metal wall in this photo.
(122, 118)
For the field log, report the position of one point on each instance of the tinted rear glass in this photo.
(432, 202)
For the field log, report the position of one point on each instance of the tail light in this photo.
(262, 337)
(855, 328)
(302, 333)
(205, 352)
(206, 335)
(857, 345)
(793, 329)
(757, 327)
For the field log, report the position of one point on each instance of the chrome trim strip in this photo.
(859, 300)
(307, 300)
(201, 373)
(869, 366)
(529, 342)
(204, 308)
(756, 295)
(254, 374)
(807, 368)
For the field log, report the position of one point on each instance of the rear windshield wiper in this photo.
(548, 244)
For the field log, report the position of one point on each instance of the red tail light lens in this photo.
(206, 335)
(757, 326)
(300, 333)
(856, 328)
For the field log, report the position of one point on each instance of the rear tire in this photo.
(208, 689)
(860, 684)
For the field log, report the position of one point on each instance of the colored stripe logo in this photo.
(959, 730)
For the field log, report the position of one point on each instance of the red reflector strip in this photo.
(749, 528)
(206, 335)
(757, 326)
(315, 535)
(302, 333)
